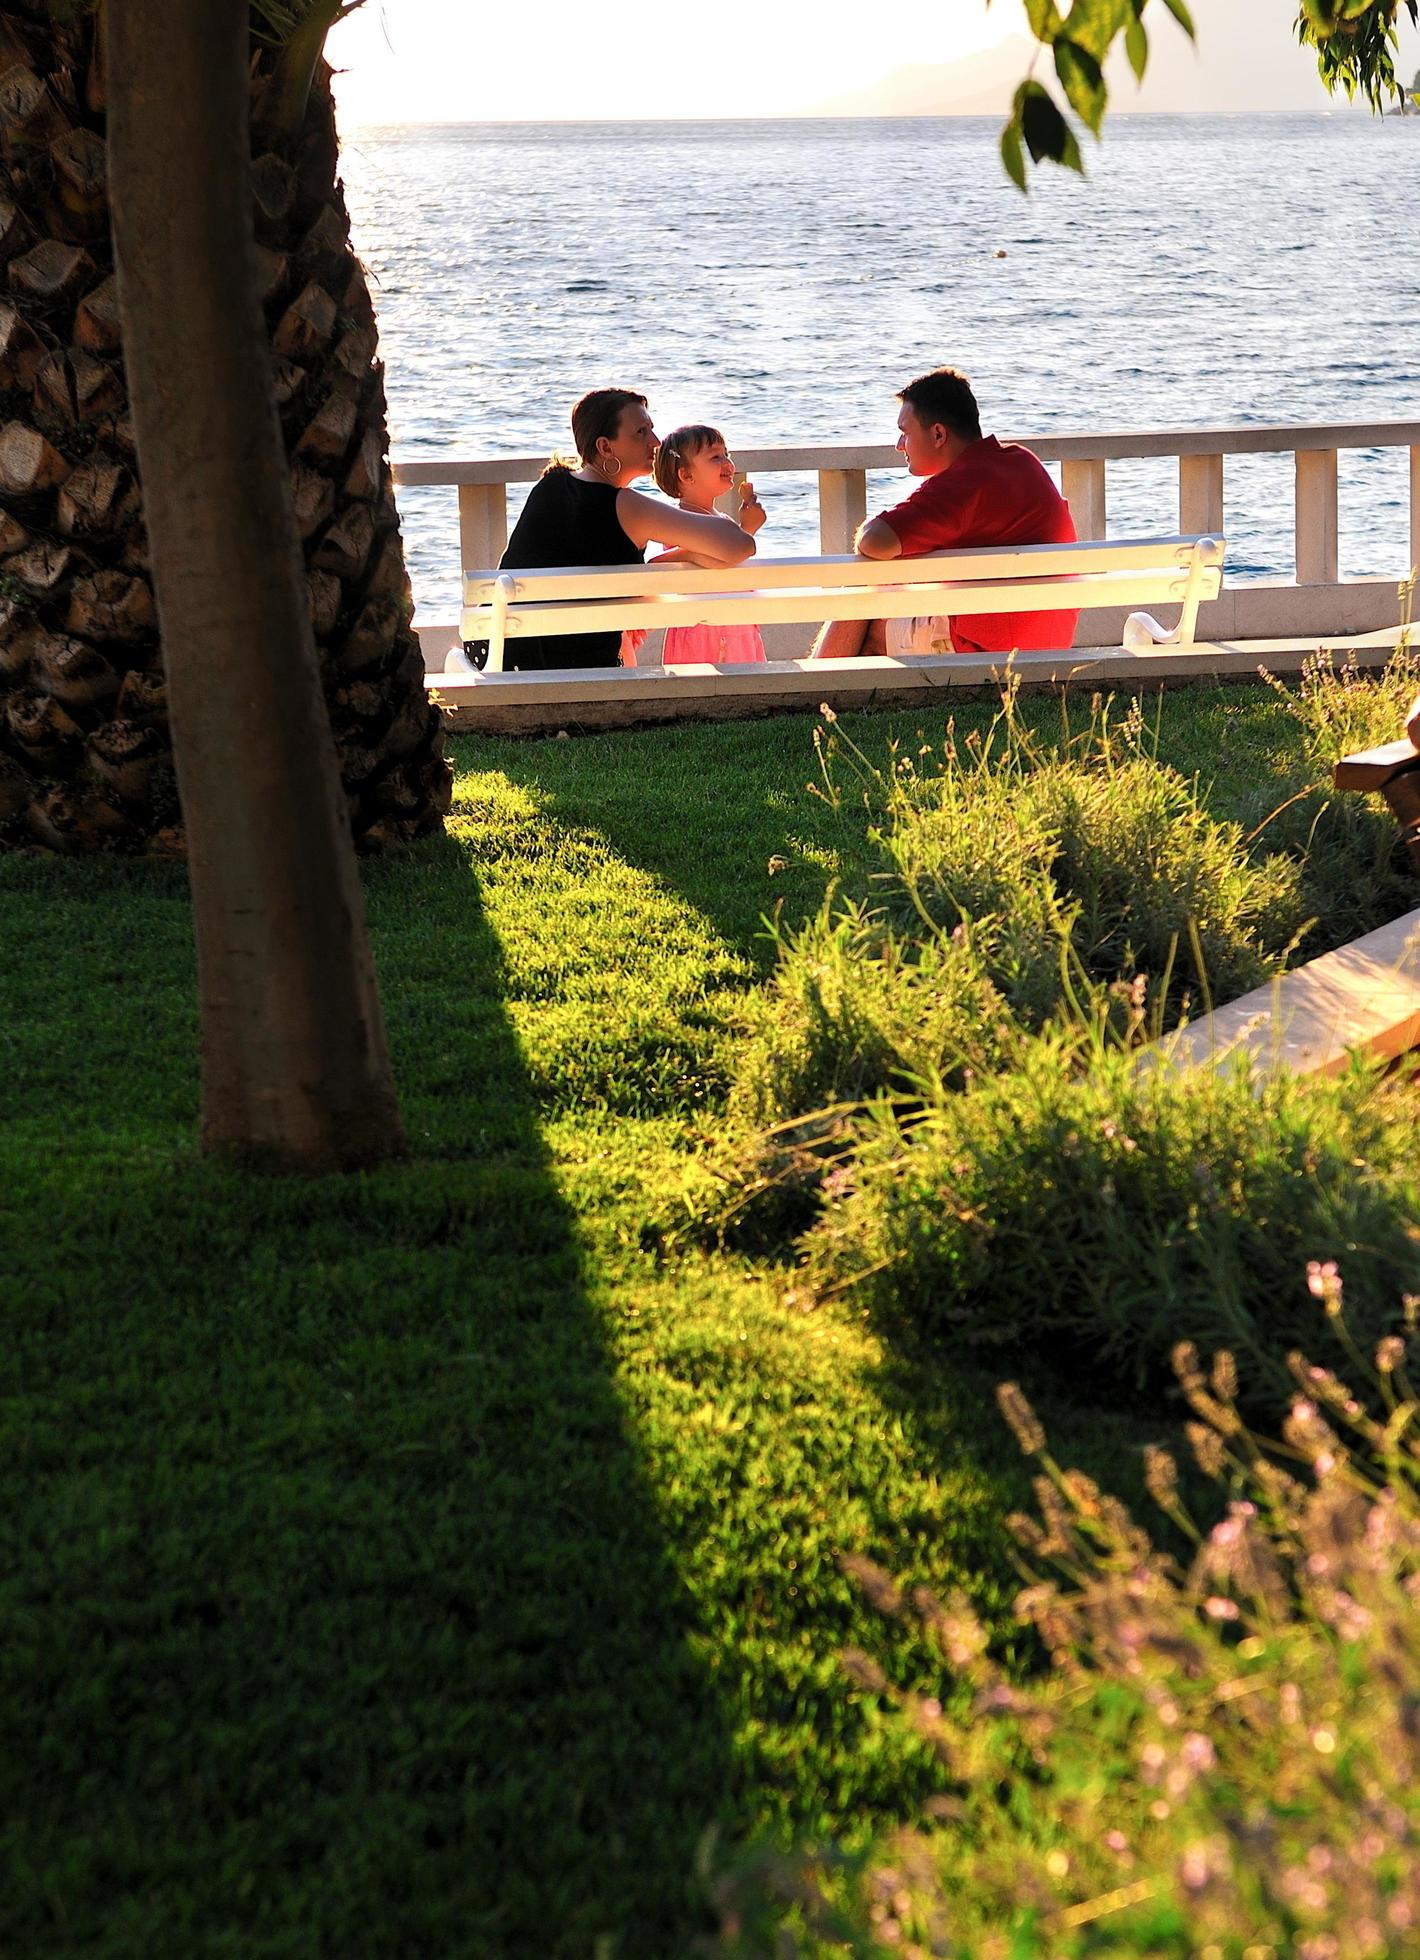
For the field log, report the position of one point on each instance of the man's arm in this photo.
(877, 539)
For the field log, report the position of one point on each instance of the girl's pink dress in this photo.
(713, 646)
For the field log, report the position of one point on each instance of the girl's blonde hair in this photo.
(676, 451)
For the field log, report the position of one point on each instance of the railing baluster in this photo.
(842, 506)
(1414, 565)
(483, 524)
(1317, 557)
(1083, 482)
(1200, 496)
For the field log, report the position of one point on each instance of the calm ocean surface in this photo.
(782, 278)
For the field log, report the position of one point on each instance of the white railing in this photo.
(1314, 600)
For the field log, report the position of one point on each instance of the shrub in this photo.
(857, 1011)
(1107, 851)
(1099, 1212)
(1224, 1757)
(1147, 871)
(940, 1087)
(1009, 875)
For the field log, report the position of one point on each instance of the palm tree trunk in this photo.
(294, 1060)
(85, 755)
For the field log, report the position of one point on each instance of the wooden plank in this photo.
(776, 685)
(1373, 768)
(1287, 438)
(1365, 996)
(1171, 554)
(1357, 613)
(555, 618)
(618, 698)
(868, 674)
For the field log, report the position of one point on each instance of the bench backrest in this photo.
(993, 564)
(567, 599)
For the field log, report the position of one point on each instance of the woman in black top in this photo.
(591, 516)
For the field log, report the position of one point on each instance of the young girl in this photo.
(694, 466)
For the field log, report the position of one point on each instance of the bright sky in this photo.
(453, 61)
(449, 61)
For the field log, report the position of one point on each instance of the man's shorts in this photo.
(926, 633)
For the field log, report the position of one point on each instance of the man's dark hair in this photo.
(944, 396)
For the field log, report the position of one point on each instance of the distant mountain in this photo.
(1246, 58)
(978, 85)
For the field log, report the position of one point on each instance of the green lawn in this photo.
(421, 1562)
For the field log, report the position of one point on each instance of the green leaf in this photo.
(1012, 156)
(1095, 25)
(1046, 132)
(1044, 19)
(1183, 17)
(1136, 46)
(1082, 79)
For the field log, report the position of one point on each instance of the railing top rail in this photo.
(1263, 439)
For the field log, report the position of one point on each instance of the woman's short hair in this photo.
(944, 396)
(677, 449)
(598, 414)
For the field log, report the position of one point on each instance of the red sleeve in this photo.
(933, 518)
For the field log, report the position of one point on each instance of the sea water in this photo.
(782, 279)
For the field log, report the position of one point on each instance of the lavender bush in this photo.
(1222, 1760)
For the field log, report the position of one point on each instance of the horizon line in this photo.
(1343, 111)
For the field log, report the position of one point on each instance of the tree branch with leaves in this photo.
(1356, 43)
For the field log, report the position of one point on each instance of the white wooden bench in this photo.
(525, 604)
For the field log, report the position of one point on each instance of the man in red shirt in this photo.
(977, 491)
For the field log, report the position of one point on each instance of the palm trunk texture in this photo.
(85, 750)
(294, 1062)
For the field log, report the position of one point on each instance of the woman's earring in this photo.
(610, 467)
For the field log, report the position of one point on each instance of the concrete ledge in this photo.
(614, 697)
(1365, 996)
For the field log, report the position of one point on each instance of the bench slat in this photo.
(1374, 768)
(771, 607)
(990, 562)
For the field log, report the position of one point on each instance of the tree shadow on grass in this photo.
(337, 1617)
(723, 815)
